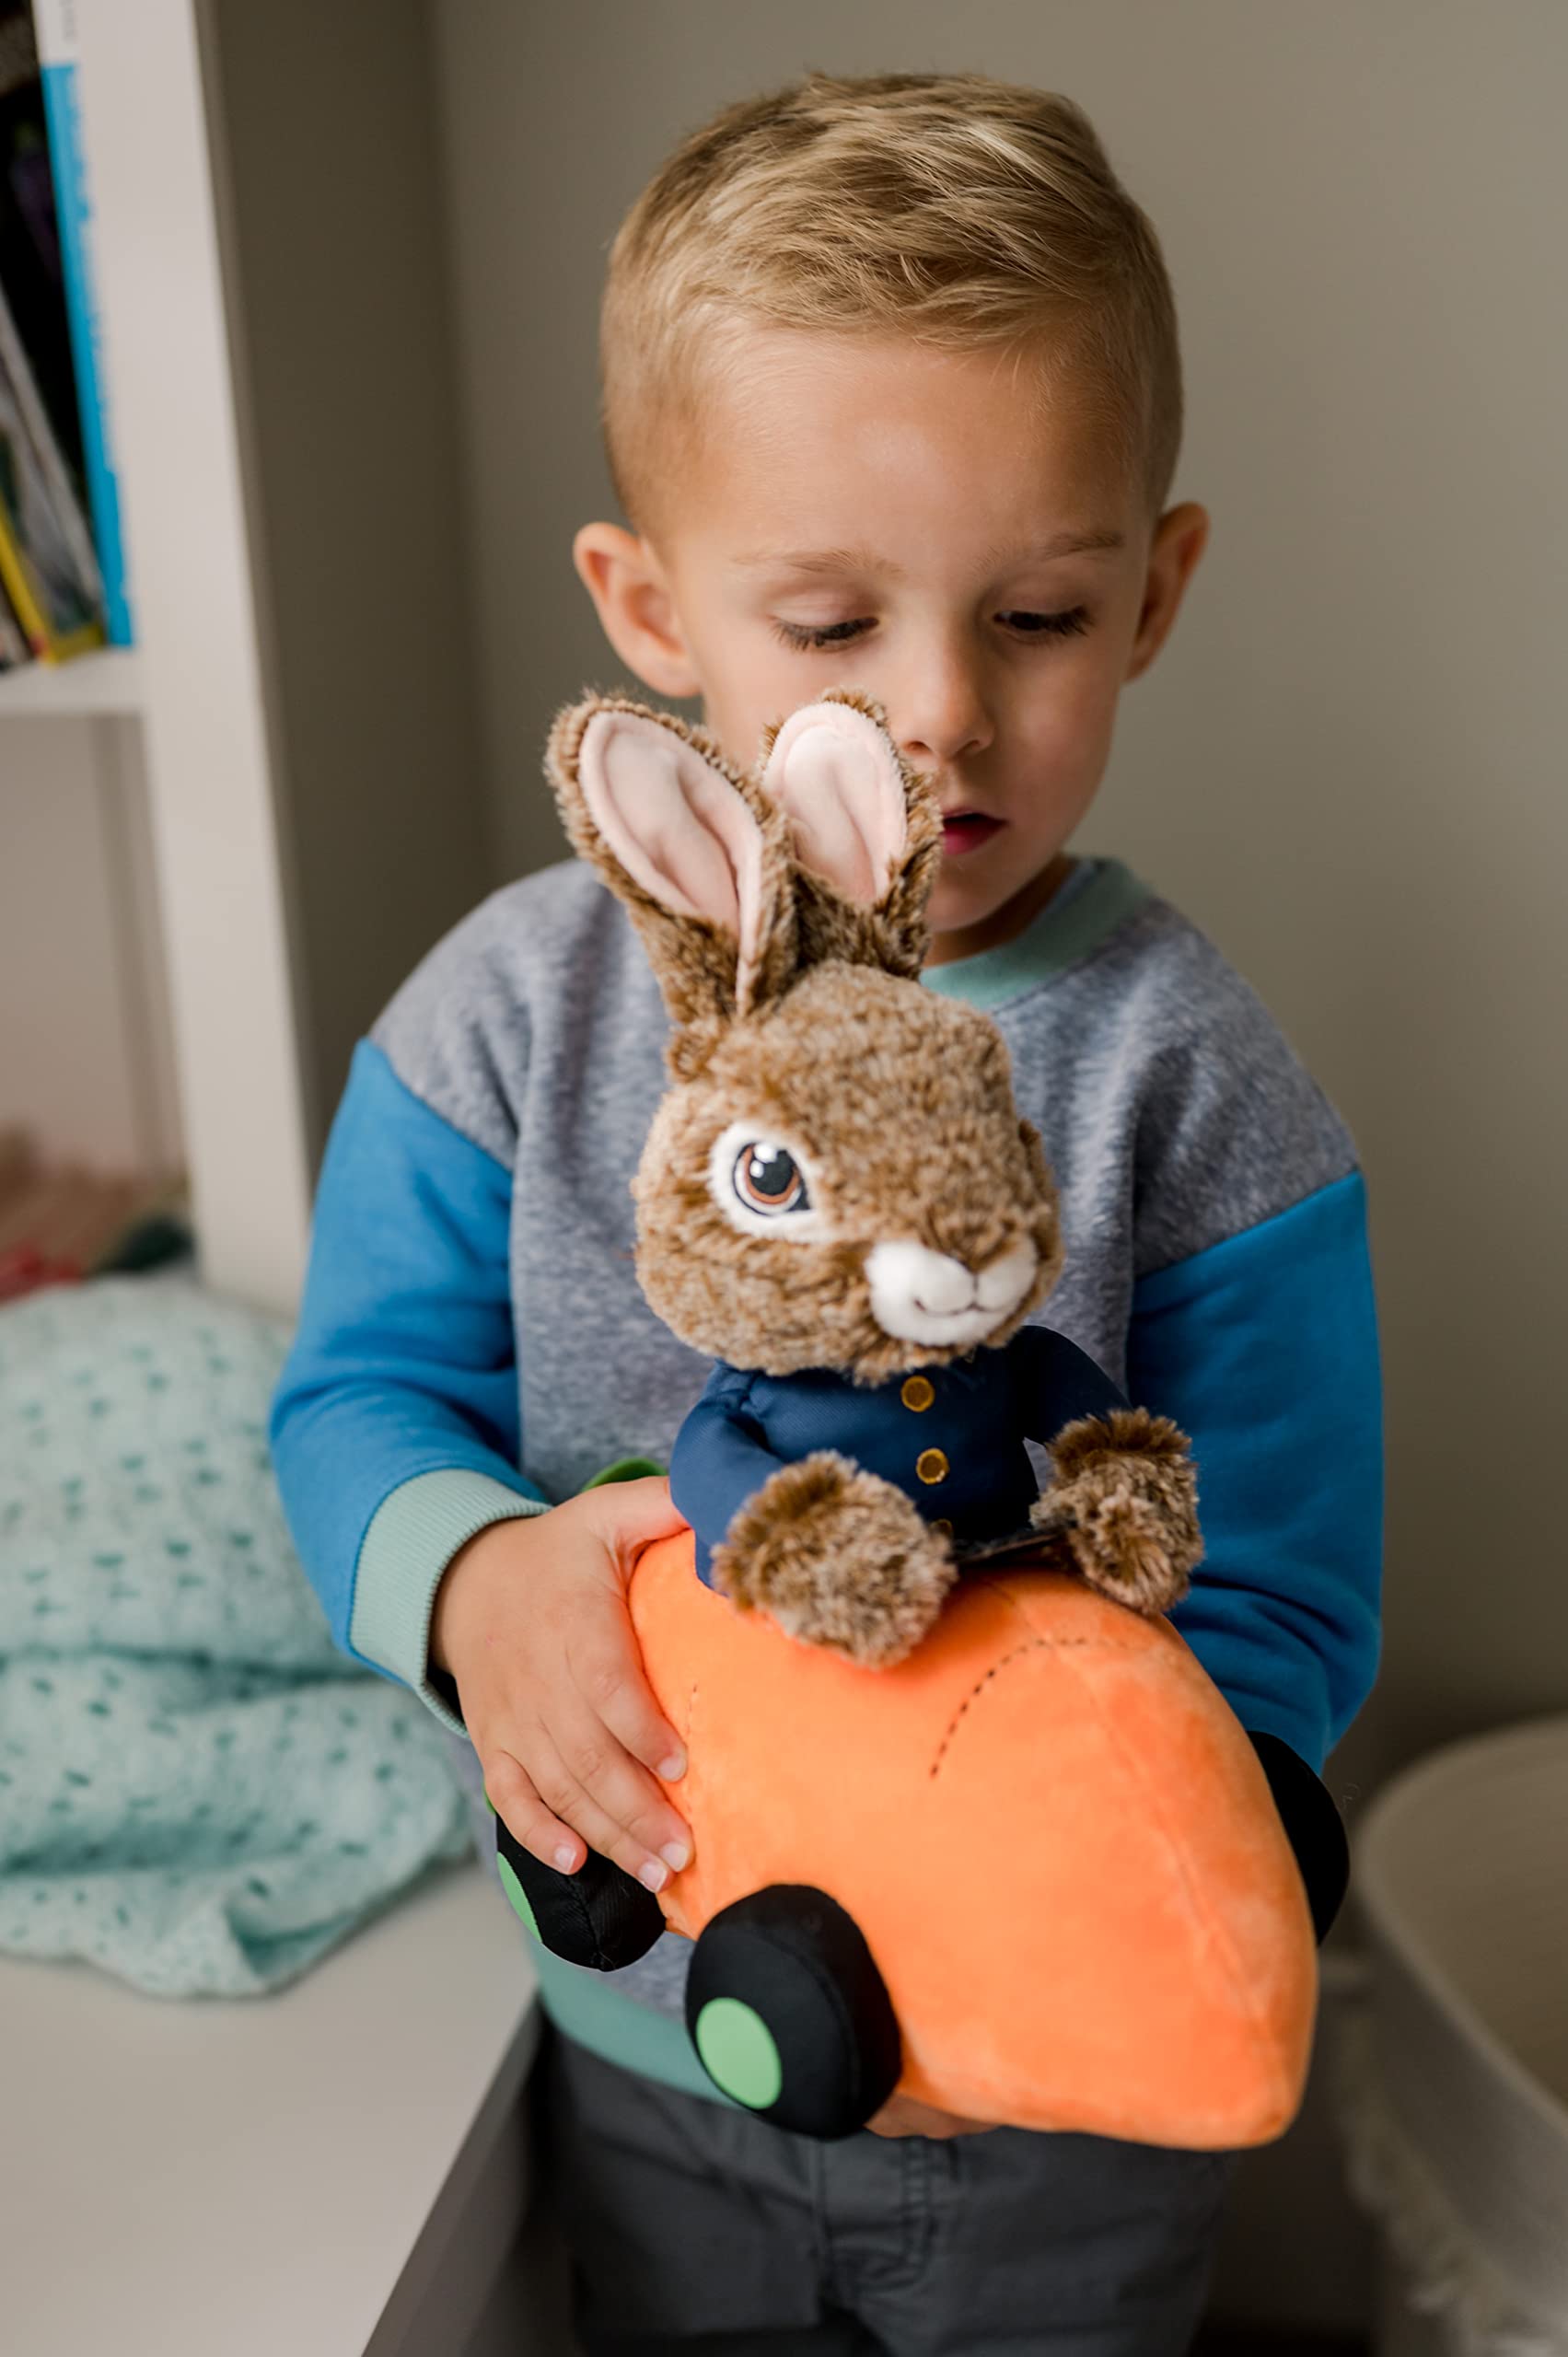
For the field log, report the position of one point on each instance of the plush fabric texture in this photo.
(953, 1442)
(837, 1556)
(899, 1105)
(1049, 1826)
(1126, 1496)
(909, 1183)
(891, 933)
(896, 1102)
(693, 956)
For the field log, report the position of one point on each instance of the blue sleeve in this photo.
(403, 1363)
(719, 1460)
(1264, 1350)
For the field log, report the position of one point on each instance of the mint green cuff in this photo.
(413, 1535)
(586, 2007)
(1055, 939)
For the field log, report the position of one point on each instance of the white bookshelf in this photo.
(219, 852)
(287, 760)
(89, 688)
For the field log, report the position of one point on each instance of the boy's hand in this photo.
(531, 1621)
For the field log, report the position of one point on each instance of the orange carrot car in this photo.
(1034, 1874)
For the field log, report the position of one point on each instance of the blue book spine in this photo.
(54, 21)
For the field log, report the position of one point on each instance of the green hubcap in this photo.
(737, 2050)
(519, 1896)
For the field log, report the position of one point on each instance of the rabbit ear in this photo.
(700, 859)
(864, 829)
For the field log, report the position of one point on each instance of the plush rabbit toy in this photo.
(838, 1201)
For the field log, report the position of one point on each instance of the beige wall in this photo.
(1348, 764)
(86, 1056)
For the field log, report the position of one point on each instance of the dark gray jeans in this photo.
(694, 2227)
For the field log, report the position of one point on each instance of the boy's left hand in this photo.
(902, 2116)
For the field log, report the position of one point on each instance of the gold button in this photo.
(917, 1393)
(942, 1525)
(930, 1465)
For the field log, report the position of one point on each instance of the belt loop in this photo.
(917, 2217)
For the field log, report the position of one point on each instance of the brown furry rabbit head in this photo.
(837, 1177)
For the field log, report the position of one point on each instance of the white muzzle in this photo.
(924, 1296)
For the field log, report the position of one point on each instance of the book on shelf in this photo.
(50, 569)
(14, 648)
(55, 24)
(57, 601)
(31, 265)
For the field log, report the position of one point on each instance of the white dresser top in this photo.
(245, 2178)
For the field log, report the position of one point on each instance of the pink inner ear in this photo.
(676, 825)
(833, 770)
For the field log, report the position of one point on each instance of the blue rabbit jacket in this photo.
(951, 1437)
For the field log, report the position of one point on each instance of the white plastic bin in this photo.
(1452, 2079)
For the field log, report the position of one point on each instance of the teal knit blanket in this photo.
(198, 1792)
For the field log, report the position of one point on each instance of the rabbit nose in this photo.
(926, 1296)
(942, 1281)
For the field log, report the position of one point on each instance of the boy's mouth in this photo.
(964, 830)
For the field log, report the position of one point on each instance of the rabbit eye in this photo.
(768, 1180)
(763, 1186)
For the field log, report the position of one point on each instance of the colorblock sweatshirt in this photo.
(473, 1344)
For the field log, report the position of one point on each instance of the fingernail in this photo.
(653, 1874)
(672, 1768)
(566, 1859)
(676, 1855)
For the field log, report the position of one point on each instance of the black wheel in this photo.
(789, 2014)
(600, 1916)
(1313, 1826)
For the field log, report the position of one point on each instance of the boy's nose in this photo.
(942, 717)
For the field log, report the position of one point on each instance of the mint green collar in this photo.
(1058, 937)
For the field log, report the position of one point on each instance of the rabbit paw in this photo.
(1125, 1501)
(838, 1557)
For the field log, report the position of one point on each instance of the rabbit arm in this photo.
(1123, 1499)
(720, 1459)
(839, 1558)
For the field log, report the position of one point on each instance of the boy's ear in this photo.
(1180, 539)
(865, 831)
(699, 858)
(636, 612)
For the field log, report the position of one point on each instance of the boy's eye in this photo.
(1071, 624)
(800, 634)
(802, 637)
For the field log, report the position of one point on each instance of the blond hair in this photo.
(962, 212)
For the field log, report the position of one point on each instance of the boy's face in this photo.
(870, 513)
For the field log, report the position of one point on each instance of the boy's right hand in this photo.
(531, 1620)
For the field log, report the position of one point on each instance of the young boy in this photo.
(893, 399)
